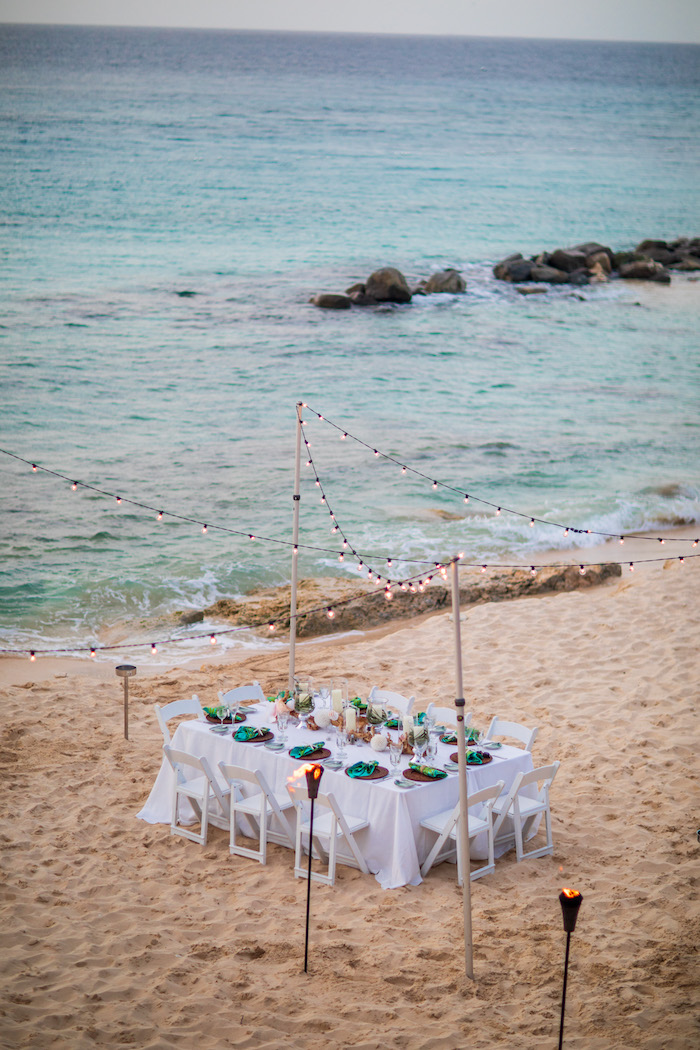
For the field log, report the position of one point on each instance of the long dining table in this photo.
(394, 844)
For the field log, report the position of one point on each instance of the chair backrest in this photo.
(233, 773)
(174, 709)
(446, 716)
(500, 727)
(542, 776)
(180, 759)
(389, 699)
(241, 693)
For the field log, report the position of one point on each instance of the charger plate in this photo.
(262, 739)
(379, 774)
(485, 759)
(421, 778)
(322, 752)
(240, 717)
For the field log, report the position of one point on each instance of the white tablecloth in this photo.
(394, 844)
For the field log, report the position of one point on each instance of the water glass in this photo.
(282, 719)
(395, 754)
(342, 737)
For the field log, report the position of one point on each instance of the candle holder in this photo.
(313, 780)
(570, 901)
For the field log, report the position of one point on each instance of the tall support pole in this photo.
(463, 830)
(295, 551)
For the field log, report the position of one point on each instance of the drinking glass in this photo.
(342, 737)
(282, 719)
(394, 754)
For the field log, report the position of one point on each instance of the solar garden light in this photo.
(126, 671)
(313, 779)
(570, 901)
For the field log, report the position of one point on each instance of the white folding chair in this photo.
(262, 805)
(499, 727)
(330, 827)
(446, 827)
(174, 709)
(201, 791)
(446, 716)
(383, 697)
(524, 810)
(241, 693)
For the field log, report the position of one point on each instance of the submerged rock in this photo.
(331, 301)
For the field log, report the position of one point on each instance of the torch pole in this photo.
(463, 829)
(308, 888)
(295, 552)
(563, 994)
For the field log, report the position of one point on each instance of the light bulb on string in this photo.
(345, 543)
(498, 511)
(695, 543)
(335, 528)
(403, 470)
(582, 570)
(631, 566)
(251, 536)
(622, 540)
(566, 532)
(153, 648)
(330, 613)
(343, 437)
(532, 523)
(271, 626)
(434, 485)
(483, 568)
(533, 570)
(34, 467)
(74, 485)
(341, 557)
(389, 563)
(661, 541)
(92, 652)
(213, 639)
(387, 594)
(309, 463)
(204, 530)
(119, 499)
(323, 499)
(159, 515)
(682, 560)
(466, 497)
(32, 656)
(318, 482)
(376, 453)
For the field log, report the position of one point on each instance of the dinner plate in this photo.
(421, 778)
(316, 756)
(485, 759)
(379, 773)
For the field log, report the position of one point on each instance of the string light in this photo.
(32, 656)
(34, 467)
(159, 516)
(466, 497)
(329, 613)
(119, 499)
(74, 486)
(631, 566)
(204, 530)
(154, 649)
(271, 626)
(92, 652)
(213, 639)
(582, 570)
(622, 541)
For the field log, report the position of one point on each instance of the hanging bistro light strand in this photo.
(467, 496)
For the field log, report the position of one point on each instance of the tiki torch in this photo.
(125, 671)
(570, 901)
(313, 779)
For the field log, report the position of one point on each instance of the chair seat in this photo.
(323, 825)
(251, 804)
(437, 823)
(529, 807)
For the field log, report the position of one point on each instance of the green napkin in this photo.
(362, 769)
(214, 712)
(449, 738)
(419, 719)
(429, 771)
(306, 750)
(246, 733)
(471, 735)
(357, 702)
(392, 723)
(475, 758)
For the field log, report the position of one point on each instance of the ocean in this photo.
(171, 200)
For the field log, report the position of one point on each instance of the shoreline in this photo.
(16, 670)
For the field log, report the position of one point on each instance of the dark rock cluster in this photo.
(593, 263)
(389, 285)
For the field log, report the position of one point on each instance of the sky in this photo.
(672, 21)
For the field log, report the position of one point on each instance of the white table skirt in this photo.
(394, 845)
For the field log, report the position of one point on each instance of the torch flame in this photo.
(570, 893)
(299, 776)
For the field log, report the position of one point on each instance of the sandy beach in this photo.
(114, 933)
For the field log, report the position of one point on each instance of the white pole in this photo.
(463, 837)
(295, 552)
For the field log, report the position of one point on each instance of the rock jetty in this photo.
(359, 605)
(594, 263)
(388, 285)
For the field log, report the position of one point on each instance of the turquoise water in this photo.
(170, 201)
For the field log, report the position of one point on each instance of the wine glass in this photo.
(282, 720)
(223, 711)
(395, 751)
(342, 738)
